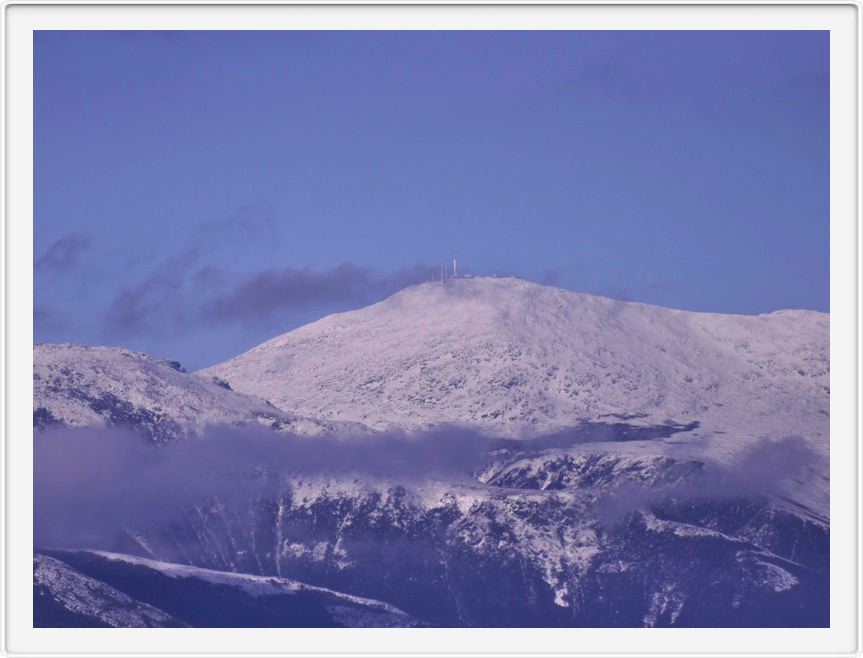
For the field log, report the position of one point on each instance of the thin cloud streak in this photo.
(64, 254)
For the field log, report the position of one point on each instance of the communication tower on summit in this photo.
(446, 274)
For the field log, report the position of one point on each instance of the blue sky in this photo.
(199, 192)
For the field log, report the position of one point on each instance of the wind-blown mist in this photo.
(92, 483)
(766, 468)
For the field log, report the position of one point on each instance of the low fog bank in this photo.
(90, 480)
(90, 483)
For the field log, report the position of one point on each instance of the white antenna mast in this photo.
(454, 269)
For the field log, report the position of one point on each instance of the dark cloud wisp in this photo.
(183, 298)
(265, 294)
(63, 254)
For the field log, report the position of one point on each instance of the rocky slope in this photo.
(88, 584)
(78, 386)
(63, 596)
(602, 540)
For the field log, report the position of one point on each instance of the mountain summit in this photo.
(519, 359)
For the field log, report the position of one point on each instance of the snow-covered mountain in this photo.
(518, 359)
(639, 466)
(79, 386)
(63, 596)
(601, 539)
(96, 588)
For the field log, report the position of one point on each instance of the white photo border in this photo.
(21, 18)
